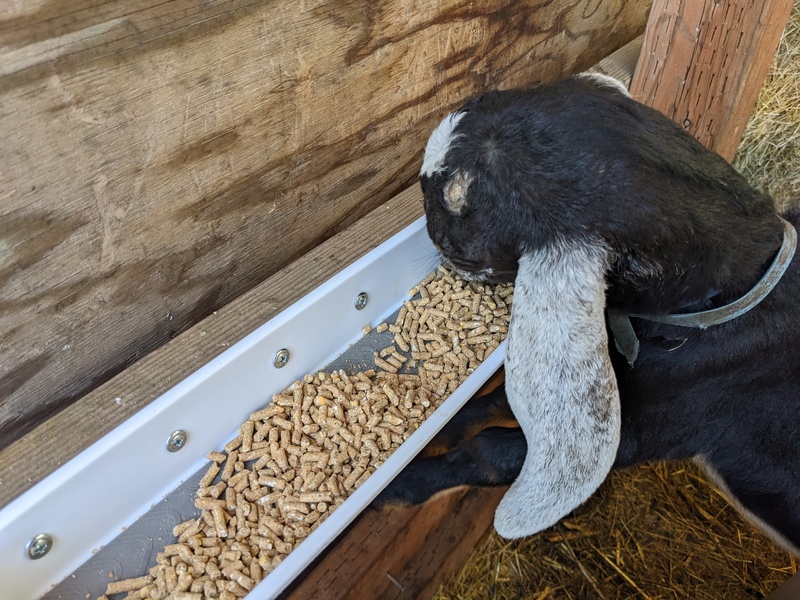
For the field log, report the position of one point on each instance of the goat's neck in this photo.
(708, 274)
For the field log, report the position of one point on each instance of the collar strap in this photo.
(628, 344)
(737, 308)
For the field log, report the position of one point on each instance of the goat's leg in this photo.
(479, 413)
(765, 496)
(493, 457)
(479, 447)
(470, 450)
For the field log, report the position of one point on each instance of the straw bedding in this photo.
(657, 531)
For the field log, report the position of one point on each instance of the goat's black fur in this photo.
(579, 162)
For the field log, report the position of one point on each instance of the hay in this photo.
(660, 531)
(769, 154)
(656, 531)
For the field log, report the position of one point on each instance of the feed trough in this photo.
(105, 514)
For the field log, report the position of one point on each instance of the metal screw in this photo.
(39, 546)
(176, 440)
(281, 358)
(361, 301)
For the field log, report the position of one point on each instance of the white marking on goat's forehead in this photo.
(439, 144)
(606, 81)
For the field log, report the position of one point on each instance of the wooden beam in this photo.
(703, 63)
(160, 158)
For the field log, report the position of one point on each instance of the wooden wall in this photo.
(160, 158)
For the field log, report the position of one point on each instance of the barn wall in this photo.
(159, 159)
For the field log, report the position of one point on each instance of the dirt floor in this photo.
(660, 530)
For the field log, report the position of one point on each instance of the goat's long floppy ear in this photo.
(602, 80)
(560, 385)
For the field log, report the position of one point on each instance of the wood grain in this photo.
(429, 552)
(621, 64)
(703, 63)
(402, 553)
(161, 158)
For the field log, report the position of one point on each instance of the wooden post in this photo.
(703, 63)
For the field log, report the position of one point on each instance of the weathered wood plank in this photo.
(446, 549)
(161, 158)
(703, 63)
(384, 578)
(622, 63)
(364, 545)
(402, 553)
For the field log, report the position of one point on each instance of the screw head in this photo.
(281, 358)
(177, 440)
(361, 301)
(39, 546)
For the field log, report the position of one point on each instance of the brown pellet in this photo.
(217, 457)
(379, 362)
(233, 444)
(401, 343)
(128, 585)
(208, 503)
(247, 429)
(179, 529)
(227, 470)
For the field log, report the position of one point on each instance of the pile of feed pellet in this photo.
(299, 458)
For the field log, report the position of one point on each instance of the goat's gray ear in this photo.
(560, 385)
(602, 80)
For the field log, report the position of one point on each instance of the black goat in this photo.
(616, 210)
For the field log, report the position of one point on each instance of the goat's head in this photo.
(594, 199)
(580, 163)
